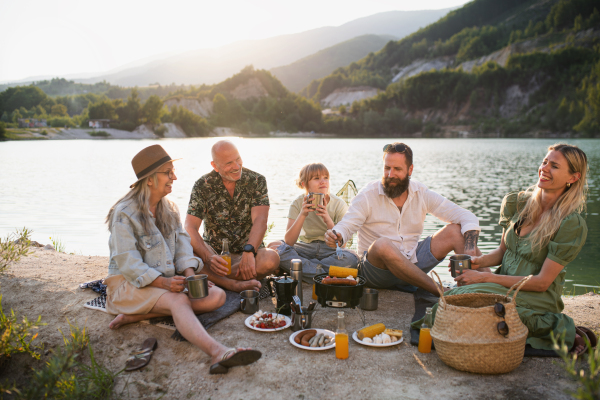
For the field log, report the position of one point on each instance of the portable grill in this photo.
(336, 295)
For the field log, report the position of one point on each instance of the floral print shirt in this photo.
(226, 217)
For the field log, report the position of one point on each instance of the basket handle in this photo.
(518, 286)
(439, 288)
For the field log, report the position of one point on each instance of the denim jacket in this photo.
(142, 257)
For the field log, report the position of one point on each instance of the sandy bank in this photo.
(46, 283)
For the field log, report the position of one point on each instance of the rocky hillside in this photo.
(508, 68)
(251, 101)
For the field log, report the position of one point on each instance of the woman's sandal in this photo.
(591, 336)
(141, 358)
(239, 357)
(580, 336)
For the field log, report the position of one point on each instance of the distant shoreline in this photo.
(446, 132)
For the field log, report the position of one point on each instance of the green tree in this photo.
(58, 110)
(15, 116)
(192, 124)
(578, 23)
(40, 112)
(102, 110)
(21, 96)
(47, 103)
(220, 110)
(2, 130)
(474, 48)
(152, 109)
(130, 113)
(5, 117)
(594, 19)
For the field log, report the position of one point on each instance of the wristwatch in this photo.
(248, 248)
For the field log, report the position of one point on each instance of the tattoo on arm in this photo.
(471, 238)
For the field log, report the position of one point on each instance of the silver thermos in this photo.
(296, 273)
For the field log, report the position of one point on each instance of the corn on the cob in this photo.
(342, 272)
(370, 331)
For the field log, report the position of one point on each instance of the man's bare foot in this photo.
(119, 321)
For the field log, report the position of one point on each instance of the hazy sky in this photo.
(60, 37)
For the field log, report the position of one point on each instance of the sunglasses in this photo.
(502, 326)
(400, 148)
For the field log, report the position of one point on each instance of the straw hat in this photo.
(148, 161)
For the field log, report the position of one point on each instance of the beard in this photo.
(394, 187)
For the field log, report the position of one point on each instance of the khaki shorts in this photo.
(236, 258)
(124, 298)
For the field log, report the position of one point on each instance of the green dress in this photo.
(541, 312)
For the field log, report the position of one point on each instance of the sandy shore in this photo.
(46, 283)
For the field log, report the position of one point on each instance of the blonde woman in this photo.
(543, 232)
(150, 256)
(305, 235)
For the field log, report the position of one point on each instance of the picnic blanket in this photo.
(232, 305)
(424, 299)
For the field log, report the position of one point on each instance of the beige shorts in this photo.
(236, 258)
(124, 298)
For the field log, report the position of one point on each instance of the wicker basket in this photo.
(466, 335)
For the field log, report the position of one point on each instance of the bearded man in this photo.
(389, 216)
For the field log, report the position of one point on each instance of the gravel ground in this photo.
(46, 283)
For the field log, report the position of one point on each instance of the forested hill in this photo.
(507, 67)
(473, 30)
(250, 102)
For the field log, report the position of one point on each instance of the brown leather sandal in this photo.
(591, 336)
(239, 357)
(141, 358)
(579, 341)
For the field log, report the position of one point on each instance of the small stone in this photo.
(48, 247)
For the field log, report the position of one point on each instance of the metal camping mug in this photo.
(249, 301)
(369, 299)
(458, 262)
(197, 286)
(302, 321)
(317, 199)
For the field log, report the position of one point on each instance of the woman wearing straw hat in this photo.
(149, 253)
(543, 232)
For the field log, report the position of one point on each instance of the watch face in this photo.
(249, 248)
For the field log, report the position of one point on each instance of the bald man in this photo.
(233, 202)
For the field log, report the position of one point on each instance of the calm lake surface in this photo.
(64, 189)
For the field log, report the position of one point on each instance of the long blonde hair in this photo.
(572, 200)
(167, 213)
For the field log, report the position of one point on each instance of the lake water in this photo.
(64, 189)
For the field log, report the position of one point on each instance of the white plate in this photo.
(357, 340)
(288, 323)
(331, 344)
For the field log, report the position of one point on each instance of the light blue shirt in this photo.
(142, 257)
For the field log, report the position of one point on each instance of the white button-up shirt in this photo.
(374, 215)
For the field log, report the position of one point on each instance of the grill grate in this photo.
(319, 279)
